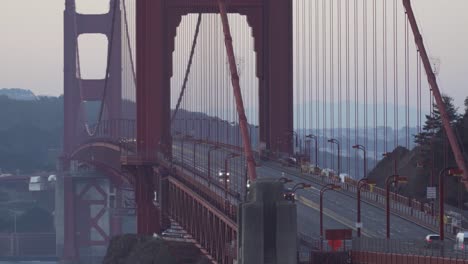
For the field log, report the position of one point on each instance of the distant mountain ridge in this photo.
(18, 94)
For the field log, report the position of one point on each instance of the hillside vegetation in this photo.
(30, 133)
(432, 153)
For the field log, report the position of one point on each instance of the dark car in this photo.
(432, 241)
(288, 161)
(289, 195)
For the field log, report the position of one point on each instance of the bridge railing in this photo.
(27, 245)
(421, 213)
(116, 130)
(440, 249)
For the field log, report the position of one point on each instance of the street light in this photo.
(425, 164)
(301, 185)
(335, 141)
(294, 133)
(390, 180)
(361, 183)
(209, 162)
(361, 147)
(315, 139)
(330, 186)
(290, 195)
(452, 172)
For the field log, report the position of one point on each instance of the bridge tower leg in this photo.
(275, 72)
(267, 225)
(78, 90)
(271, 21)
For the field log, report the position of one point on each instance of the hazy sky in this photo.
(31, 47)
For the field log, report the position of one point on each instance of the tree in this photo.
(466, 106)
(433, 126)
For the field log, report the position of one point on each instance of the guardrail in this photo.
(410, 209)
(374, 248)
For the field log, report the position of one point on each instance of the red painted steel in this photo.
(364, 257)
(153, 78)
(271, 22)
(209, 226)
(148, 217)
(237, 92)
(436, 92)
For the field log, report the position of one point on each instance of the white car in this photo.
(461, 241)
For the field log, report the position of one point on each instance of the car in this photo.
(328, 172)
(223, 176)
(432, 241)
(289, 195)
(461, 241)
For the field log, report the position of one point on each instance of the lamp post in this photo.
(209, 162)
(330, 186)
(424, 164)
(301, 185)
(315, 139)
(290, 195)
(452, 172)
(361, 183)
(294, 133)
(390, 180)
(335, 141)
(361, 147)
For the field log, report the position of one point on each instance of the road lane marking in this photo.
(334, 216)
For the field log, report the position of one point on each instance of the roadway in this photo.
(339, 207)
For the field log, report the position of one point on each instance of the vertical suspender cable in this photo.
(317, 75)
(237, 92)
(395, 73)
(356, 84)
(384, 78)
(375, 80)
(348, 94)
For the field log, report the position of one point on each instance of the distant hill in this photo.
(18, 94)
(28, 130)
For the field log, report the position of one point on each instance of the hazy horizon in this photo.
(33, 46)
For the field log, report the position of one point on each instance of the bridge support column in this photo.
(148, 217)
(267, 226)
(276, 75)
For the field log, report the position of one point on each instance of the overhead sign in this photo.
(431, 192)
